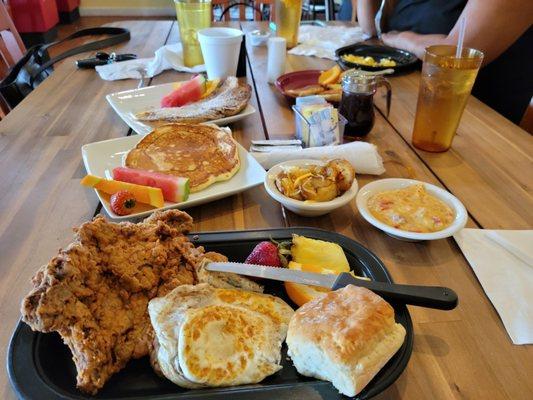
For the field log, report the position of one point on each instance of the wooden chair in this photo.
(313, 7)
(258, 5)
(527, 120)
(11, 48)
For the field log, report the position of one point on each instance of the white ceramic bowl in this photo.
(258, 38)
(381, 185)
(305, 208)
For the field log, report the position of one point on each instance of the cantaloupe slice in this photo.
(144, 194)
(301, 294)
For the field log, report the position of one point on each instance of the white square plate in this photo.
(101, 157)
(126, 104)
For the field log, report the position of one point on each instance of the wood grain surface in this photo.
(465, 353)
(462, 354)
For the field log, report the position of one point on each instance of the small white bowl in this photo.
(381, 185)
(258, 37)
(305, 208)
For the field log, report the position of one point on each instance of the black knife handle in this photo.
(441, 298)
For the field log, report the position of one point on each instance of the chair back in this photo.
(11, 46)
(11, 49)
(527, 119)
(243, 5)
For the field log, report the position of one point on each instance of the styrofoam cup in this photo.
(220, 49)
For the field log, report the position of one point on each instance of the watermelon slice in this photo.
(174, 189)
(187, 92)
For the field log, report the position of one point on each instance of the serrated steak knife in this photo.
(424, 296)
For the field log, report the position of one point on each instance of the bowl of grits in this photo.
(412, 210)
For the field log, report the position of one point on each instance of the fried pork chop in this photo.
(95, 292)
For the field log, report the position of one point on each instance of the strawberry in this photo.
(265, 253)
(122, 202)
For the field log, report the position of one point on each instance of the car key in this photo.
(102, 58)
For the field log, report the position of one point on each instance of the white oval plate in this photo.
(381, 185)
(128, 103)
(305, 208)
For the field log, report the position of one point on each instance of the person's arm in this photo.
(366, 12)
(354, 10)
(492, 26)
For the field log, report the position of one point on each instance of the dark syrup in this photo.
(358, 109)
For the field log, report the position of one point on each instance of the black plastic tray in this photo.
(405, 61)
(40, 366)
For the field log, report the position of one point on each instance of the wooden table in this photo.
(464, 353)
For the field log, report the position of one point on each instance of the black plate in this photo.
(40, 365)
(404, 59)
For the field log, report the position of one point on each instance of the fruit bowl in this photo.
(305, 208)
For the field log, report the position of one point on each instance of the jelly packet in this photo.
(318, 123)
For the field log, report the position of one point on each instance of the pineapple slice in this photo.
(319, 253)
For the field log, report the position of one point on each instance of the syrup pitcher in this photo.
(357, 102)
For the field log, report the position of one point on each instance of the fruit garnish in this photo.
(265, 253)
(319, 253)
(122, 202)
(143, 194)
(301, 294)
(210, 87)
(174, 188)
(330, 76)
(187, 92)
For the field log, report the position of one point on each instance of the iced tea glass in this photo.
(445, 85)
(287, 16)
(193, 15)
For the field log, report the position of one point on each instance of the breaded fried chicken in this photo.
(96, 291)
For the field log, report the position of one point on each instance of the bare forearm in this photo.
(366, 12)
(411, 41)
(492, 26)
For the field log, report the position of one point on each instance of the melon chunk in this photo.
(144, 194)
(174, 188)
(188, 92)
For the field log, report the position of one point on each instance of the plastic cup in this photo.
(287, 17)
(192, 15)
(445, 85)
(220, 49)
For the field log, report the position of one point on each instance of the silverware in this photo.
(425, 296)
(142, 71)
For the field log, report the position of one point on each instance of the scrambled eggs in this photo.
(369, 61)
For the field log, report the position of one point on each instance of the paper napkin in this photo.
(506, 278)
(166, 57)
(363, 156)
(322, 42)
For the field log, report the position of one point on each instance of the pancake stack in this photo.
(208, 337)
(204, 153)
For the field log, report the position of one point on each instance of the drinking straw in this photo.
(462, 28)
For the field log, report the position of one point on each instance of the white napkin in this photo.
(166, 57)
(507, 279)
(363, 156)
(322, 42)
